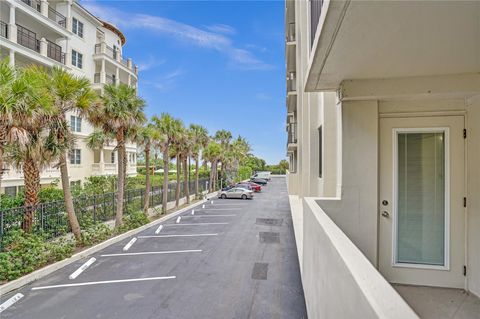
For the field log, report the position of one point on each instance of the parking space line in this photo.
(159, 229)
(129, 244)
(195, 216)
(186, 235)
(154, 253)
(208, 209)
(103, 282)
(197, 224)
(4, 306)
(82, 268)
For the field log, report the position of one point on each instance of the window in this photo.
(112, 157)
(75, 123)
(77, 59)
(77, 27)
(75, 156)
(320, 152)
(11, 191)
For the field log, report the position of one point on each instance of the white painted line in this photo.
(168, 236)
(211, 216)
(193, 211)
(82, 268)
(129, 244)
(10, 302)
(197, 224)
(154, 253)
(159, 229)
(103, 282)
(209, 209)
(211, 202)
(203, 206)
(179, 218)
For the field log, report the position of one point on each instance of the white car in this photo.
(236, 192)
(262, 175)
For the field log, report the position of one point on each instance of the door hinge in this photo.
(464, 133)
(464, 202)
(464, 270)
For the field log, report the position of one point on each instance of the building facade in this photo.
(64, 34)
(383, 102)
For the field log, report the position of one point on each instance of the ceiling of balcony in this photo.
(389, 39)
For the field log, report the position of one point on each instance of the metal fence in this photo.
(50, 219)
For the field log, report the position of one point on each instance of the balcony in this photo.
(35, 4)
(114, 54)
(3, 29)
(292, 84)
(109, 79)
(292, 136)
(27, 38)
(50, 12)
(54, 51)
(290, 33)
(315, 12)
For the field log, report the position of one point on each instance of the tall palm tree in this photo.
(239, 151)
(145, 137)
(121, 113)
(212, 154)
(200, 141)
(70, 94)
(223, 137)
(167, 128)
(185, 147)
(177, 153)
(23, 99)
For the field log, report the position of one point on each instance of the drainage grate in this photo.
(269, 221)
(260, 271)
(269, 237)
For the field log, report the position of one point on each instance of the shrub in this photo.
(50, 194)
(92, 232)
(132, 221)
(24, 253)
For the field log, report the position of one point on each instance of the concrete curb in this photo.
(45, 271)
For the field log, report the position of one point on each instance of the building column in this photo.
(68, 54)
(43, 46)
(117, 76)
(12, 58)
(69, 15)
(12, 27)
(103, 76)
(129, 63)
(44, 8)
(129, 80)
(102, 162)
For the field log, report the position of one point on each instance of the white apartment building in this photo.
(64, 34)
(383, 122)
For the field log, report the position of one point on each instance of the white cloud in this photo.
(150, 63)
(263, 96)
(221, 28)
(215, 40)
(166, 81)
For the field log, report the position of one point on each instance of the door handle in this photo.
(385, 214)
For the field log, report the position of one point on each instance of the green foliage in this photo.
(244, 172)
(92, 232)
(24, 253)
(255, 163)
(132, 221)
(50, 194)
(7, 201)
(100, 184)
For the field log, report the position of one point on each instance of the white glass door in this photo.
(421, 213)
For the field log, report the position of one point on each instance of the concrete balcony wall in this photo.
(346, 274)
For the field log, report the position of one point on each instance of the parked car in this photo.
(245, 185)
(259, 181)
(263, 175)
(252, 186)
(236, 192)
(226, 188)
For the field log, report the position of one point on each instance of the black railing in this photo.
(96, 78)
(291, 32)
(110, 79)
(33, 3)
(292, 133)
(51, 218)
(57, 17)
(315, 12)
(27, 38)
(3, 29)
(54, 51)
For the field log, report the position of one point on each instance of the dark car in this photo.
(259, 181)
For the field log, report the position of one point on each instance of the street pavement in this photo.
(233, 259)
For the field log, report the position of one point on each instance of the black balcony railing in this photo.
(110, 79)
(33, 3)
(27, 38)
(54, 51)
(57, 17)
(315, 12)
(3, 29)
(292, 133)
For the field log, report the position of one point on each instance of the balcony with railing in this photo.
(292, 136)
(291, 84)
(315, 12)
(56, 16)
(27, 38)
(3, 29)
(290, 33)
(114, 54)
(54, 51)
(35, 4)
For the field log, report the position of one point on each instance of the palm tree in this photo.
(176, 153)
(145, 137)
(239, 151)
(70, 94)
(167, 128)
(120, 114)
(185, 147)
(23, 98)
(223, 137)
(200, 141)
(212, 154)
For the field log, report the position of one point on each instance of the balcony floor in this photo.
(439, 303)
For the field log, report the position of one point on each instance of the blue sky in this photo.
(215, 63)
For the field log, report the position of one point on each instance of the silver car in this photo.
(236, 192)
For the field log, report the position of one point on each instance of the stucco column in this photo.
(44, 8)
(102, 162)
(103, 47)
(129, 63)
(43, 46)
(136, 70)
(68, 54)
(102, 72)
(129, 80)
(12, 27)
(12, 58)
(118, 55)
(117, 76)
(69, 15)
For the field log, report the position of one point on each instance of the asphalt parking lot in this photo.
(231, 259)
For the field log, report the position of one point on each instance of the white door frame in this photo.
(395, 133)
